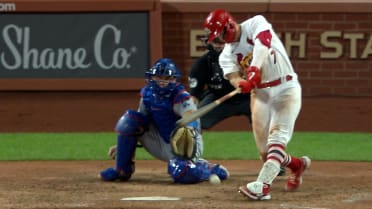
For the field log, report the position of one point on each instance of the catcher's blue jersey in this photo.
(165, 110)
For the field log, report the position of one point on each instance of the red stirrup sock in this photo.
(294, 163)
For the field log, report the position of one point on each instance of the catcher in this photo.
(163, 101)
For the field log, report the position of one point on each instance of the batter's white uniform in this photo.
(276, 102)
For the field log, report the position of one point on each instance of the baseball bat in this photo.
(205, 109)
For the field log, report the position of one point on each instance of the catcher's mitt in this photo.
(183, 143)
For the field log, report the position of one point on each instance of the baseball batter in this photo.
(207, 83)
(275, 94)
(163, 101)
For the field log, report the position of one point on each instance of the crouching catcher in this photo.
(163, 101)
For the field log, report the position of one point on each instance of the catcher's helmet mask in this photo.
(163, 76)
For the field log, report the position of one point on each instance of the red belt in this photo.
(274, 82)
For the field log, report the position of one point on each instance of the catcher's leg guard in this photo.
(128, 127)
(125, 152)
(220, 171)
(187, 172)
(110, 174)
(126, 148)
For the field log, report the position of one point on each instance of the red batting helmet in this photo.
(220, 22)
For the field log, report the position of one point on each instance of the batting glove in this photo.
(245, 86)
(253, 75)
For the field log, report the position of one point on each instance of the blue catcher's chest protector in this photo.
(160, 109)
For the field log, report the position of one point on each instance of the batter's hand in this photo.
(112, 152)
(245, 86)
(253, 75)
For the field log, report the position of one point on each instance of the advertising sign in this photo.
(74, 45)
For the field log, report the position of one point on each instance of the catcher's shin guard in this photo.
(129, 127)
(186, 172)
(126, 148)
(125, 152)
(221, 171)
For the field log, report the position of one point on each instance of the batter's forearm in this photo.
(234, 79)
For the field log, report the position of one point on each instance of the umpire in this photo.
(208, 84)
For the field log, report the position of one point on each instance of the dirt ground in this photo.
(70, 185)
(74, 184)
